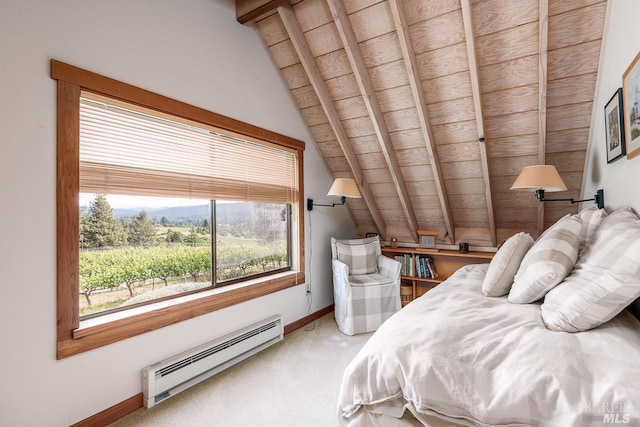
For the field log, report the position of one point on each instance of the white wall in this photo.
(193, 51)
(621, 44)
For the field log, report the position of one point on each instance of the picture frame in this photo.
(631, 101)
(614, 127)
(427, 238)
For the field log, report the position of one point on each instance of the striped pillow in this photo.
(504, 265)
(603, 283)
(361, 259)
(591, 219)
(550, 260)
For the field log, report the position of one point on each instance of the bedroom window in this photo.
(153, 180)
(165, 211)
(166, 246)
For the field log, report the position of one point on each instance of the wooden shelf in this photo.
(421, 279)
(440, 253)
(445, 261)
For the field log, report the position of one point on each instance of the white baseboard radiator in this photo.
(175, 374)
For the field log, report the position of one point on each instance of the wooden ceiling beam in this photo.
(411, 65)
(361, 74)
(543, 43)
(477, 103)
(248, 10)
(311, 68)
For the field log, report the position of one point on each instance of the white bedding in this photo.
(474, 360)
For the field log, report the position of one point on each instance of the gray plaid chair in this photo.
(366, 285)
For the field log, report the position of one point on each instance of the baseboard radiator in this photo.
(175, 374)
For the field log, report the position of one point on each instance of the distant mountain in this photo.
(225, 212)
(124, 213)
(174, 214)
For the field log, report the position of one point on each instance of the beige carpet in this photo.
(293, 383)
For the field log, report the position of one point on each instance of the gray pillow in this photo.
(361, 259)
(504, 265)
(550, 260)
(603, 282)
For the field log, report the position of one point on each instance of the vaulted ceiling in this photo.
(435, 106)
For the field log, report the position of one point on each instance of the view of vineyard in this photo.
(130, 256)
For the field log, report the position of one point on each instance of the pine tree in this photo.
(98, 227)
(141, 230)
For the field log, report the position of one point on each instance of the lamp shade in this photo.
(539, 177)
(344, 187)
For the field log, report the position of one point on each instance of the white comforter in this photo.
(480, 361)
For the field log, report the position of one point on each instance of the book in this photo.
(432, 268)
(428, 274)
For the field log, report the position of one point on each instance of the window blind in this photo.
(129, 150)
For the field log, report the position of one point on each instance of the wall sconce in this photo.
(543, 178)
(343, 188)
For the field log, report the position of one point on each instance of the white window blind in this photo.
(125, 149)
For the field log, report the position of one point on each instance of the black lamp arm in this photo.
(310, 204)
(598, 198)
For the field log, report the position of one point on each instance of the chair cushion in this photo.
(369, 279)
(550, 259)
(605, 280)
(361, 259)
(505, 264)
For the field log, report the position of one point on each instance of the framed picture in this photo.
(427, 238)
(631, 100)
(614, 126)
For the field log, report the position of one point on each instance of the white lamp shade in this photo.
(539, 177)
(344, 187)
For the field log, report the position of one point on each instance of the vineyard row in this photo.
(129, 266)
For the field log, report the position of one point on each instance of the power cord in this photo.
(309, 293)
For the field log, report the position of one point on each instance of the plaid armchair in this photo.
(366, 285)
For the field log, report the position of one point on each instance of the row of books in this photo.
(417, 265)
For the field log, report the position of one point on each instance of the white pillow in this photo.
(505, 264)
(603, 283)
(591, 219)
(550, 260)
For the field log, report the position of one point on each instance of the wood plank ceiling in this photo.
(435, 106)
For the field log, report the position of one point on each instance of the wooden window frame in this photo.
(74, 338)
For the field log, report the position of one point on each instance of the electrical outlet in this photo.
(308, 287)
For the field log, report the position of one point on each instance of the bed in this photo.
(570, 357)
